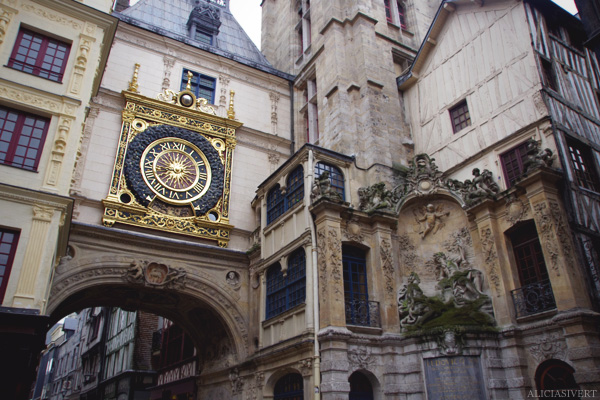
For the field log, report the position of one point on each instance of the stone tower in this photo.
(346, 56)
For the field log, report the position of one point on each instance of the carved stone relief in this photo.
(353, 231)
(274, 101)
(545, 223)
(516, 210)
(237, 383)
(408, 254)
(360, 358)
(450, 342)
(548, 346)
(430, 218)
(490, 256)
(155, 275)
(306, 367)
(169, 63)
(387, 264)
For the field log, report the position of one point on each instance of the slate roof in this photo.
(169, 18)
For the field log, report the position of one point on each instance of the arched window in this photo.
(335, 176)
(278, 203)
(556, 375)
(290, 387)
(286, 289)
(275, 204)
(360, 387)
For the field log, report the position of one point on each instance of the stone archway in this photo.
(193, 288)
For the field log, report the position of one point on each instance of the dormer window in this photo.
(204, 22)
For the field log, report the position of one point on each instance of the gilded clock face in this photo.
(175, 166)
(176, 170)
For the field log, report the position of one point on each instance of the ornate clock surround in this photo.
(173, 166)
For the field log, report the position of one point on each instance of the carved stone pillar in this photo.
(37, 246)
(331, 279)
(83, 52)
(384, 273)
(58, 153)
(493, 258)
(555, 237)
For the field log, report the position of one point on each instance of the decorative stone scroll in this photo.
(387, 264)
(422, 178)
(490, 256)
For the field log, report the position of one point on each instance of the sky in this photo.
(248, 14)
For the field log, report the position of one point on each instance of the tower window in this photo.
(39, 55)
(401, 15)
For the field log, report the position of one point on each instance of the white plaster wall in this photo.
(483, 54)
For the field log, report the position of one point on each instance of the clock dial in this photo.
(174, 166)
(175, 170)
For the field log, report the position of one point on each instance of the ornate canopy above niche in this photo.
(173, 166)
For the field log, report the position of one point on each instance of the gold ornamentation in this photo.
(230, 111)
(133, 85)
(172, 168)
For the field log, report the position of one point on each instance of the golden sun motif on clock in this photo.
(176, 170)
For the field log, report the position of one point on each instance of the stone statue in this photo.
(375, 197)
(482, 186)
(412, 303)
(536, 157)
(322, 188)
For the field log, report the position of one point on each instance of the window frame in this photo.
(41, 56)
(10, 257)
(198, 89)
(278, 202)
(289, 387)
(459, 110)
(16, 137)
(520, 156)
(286, 290)
(583, 165)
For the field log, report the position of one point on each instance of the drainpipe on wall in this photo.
(315, 286)
(293, 141)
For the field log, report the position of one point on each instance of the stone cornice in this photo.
(40, 100)
(28, 196)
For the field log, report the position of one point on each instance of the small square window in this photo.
(460, 116)
(39, 55)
